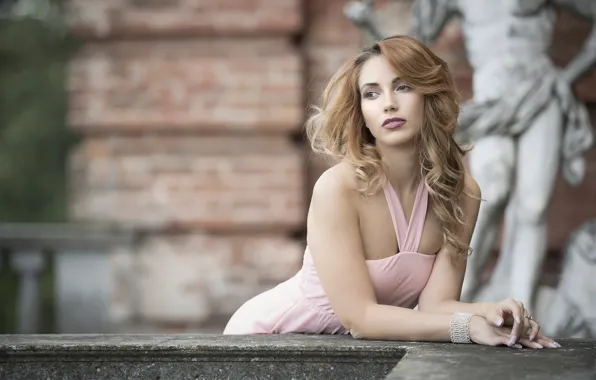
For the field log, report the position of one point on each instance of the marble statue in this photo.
(572, 311)
(524, 122)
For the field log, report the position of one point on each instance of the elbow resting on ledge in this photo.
(359, 332)
(373, 323)
(357, 322)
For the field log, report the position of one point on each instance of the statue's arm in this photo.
(587, 56)
(360, 12)
(429, 17)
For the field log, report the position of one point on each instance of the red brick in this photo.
(327, 24)
(146, 18)
(162, 182)
(572, 206)
(570, 35)
(201, 85)
(330, 39)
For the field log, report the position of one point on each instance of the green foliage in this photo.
(34, 137)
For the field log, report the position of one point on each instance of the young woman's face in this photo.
(393, 111)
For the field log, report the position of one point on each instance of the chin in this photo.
(396, 139)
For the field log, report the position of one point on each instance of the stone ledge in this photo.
(574, 361)
(279, 357)
(83, 237)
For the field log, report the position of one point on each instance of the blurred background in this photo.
(153, 169)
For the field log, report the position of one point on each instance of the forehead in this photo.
(377, 69)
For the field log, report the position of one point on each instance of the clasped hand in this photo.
(508, 323)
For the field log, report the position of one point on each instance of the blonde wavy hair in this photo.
(337, 128)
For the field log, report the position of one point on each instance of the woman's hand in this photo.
(485, 333)
(511, 313)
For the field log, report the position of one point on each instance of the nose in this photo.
(390, 104)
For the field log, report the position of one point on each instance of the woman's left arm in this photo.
(442, 291)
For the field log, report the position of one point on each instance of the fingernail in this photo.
(512, 340)
(554, 344)
(499, 322)
(558, 345)
(518, 319)
(538, 345)
(517, 345)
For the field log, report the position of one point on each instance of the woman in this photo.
(389, 225)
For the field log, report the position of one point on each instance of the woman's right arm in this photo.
(335, 243)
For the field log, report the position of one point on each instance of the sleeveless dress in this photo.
(299, 305)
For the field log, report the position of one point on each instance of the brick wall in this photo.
(196, 84)
(190, 112)
(188, 109)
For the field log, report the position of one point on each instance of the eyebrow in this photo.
(395, 80)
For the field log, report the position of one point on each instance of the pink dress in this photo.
(299, 305)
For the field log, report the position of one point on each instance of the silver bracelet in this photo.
(459, 328)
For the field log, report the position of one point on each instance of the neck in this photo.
(402, 165)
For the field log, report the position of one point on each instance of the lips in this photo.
(394, 122)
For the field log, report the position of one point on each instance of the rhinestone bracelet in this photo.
(459, 328)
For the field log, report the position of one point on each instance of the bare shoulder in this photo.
(338, 181)
(332, 210)
(470, 201)
(471, 187)
(334, 198)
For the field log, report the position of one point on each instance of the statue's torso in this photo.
(505, 48)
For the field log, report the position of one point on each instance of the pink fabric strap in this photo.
(408, 234)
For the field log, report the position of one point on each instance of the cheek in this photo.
(416, 109)
(420, 112)
(368, 112)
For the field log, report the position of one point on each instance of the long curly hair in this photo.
(337, 128)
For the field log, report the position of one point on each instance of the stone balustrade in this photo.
(81, 273)
(215, 357)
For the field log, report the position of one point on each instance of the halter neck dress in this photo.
(299, 305)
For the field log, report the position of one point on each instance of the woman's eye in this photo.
(403, 87)
(370, 94)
